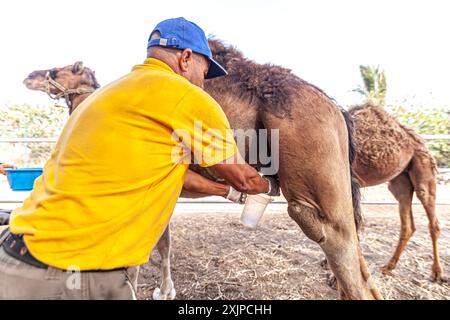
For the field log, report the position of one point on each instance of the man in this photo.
(109, 189)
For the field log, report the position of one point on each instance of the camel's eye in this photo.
(53, 73)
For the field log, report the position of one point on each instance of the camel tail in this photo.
(356, 193)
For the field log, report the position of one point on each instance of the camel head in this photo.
(71, 77)
(66, 82)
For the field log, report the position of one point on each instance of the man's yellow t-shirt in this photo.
(109, 189)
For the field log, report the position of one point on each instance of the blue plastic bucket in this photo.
(22, 179)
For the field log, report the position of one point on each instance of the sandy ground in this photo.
(215, 257)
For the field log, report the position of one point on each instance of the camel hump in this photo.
(382, 139)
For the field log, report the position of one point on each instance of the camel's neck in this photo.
(76, 99)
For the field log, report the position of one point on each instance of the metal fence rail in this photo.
(436, 136)
(54, 140)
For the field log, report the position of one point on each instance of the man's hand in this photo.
(274, 186)
(4, 166)
(241, 176)
(245, 178)
(236, 196)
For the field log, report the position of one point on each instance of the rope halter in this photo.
(64, 92)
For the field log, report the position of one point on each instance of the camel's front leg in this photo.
(337, 237)
(166, 291)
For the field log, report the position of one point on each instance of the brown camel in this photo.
(315, 153)
(74, 83)
(390, 152)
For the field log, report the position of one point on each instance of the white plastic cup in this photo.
(254, 208)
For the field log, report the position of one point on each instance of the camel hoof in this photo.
(158, 295)
(440, 280)
(437, 276)
(386, 270)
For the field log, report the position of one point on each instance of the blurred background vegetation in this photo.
(27, 121)
(434, 121)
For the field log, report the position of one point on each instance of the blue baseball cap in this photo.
(181, 34)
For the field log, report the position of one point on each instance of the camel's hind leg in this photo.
(315, 152)
(402, 189)
(338, 239)
(423, 178)
(166, 291)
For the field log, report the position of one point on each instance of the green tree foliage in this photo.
(374, 88)
(430, 122)
(26, 121)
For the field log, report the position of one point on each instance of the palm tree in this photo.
(374, 89)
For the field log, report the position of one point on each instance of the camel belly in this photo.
(384, 172)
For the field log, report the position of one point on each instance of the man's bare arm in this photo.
(199, 184)
(242, 176)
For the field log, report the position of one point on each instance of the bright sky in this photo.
(322, 41)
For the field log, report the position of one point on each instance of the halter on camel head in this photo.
(50, 80)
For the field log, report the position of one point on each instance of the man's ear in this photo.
(186, 59)
(78, 67)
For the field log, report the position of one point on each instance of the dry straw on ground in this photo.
(215, 257)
